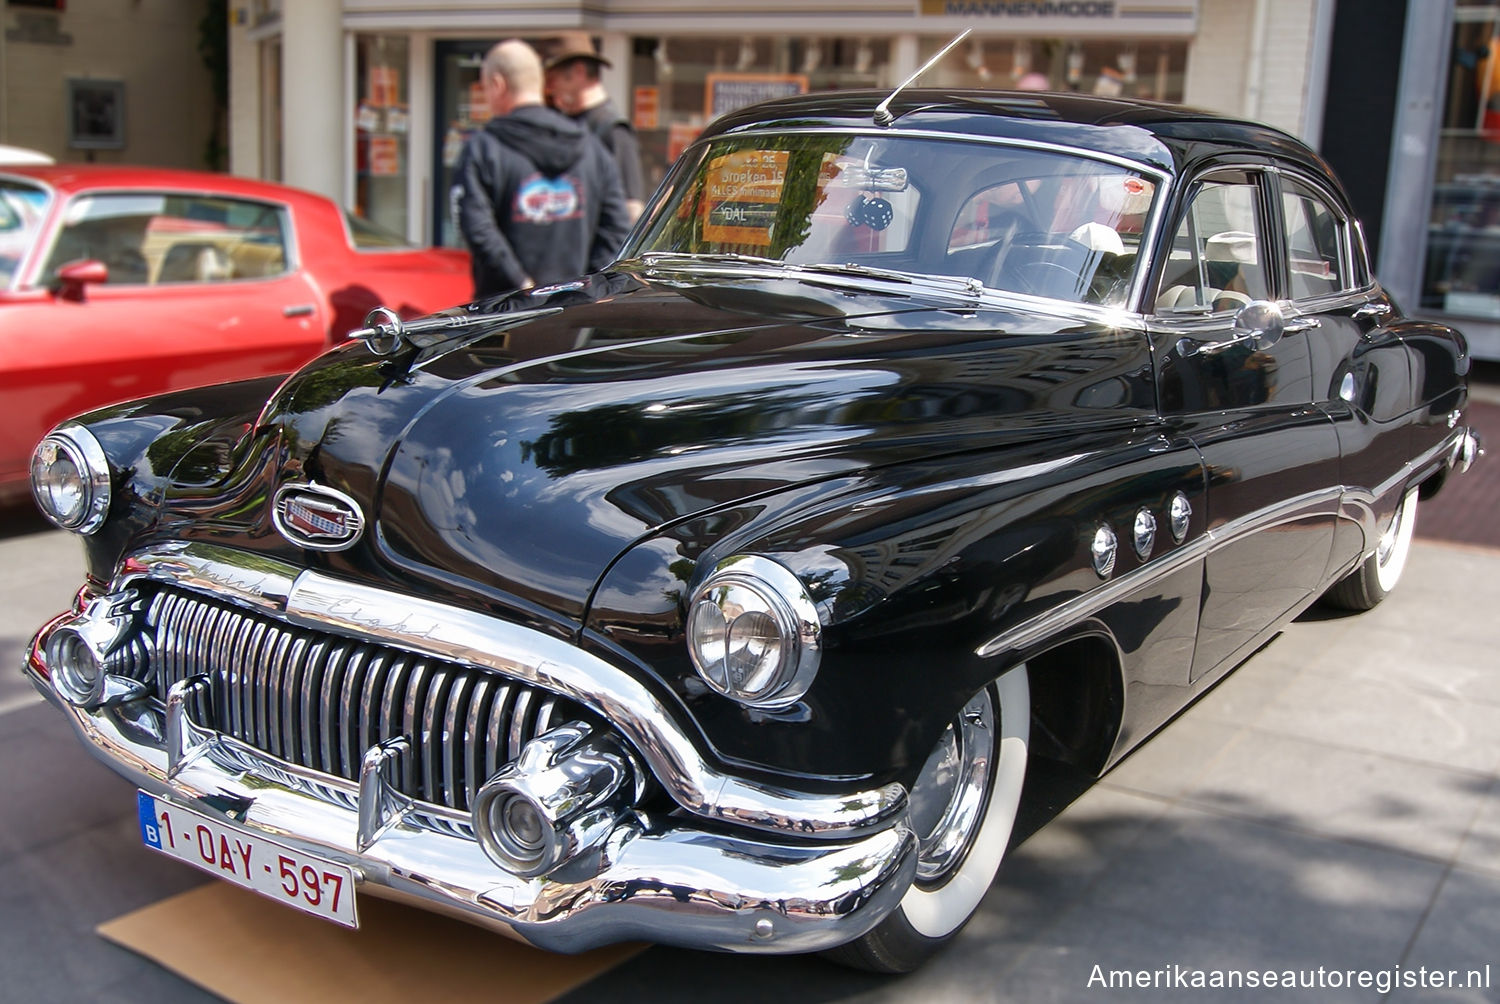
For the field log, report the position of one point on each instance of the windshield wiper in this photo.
(652, 258)
(966, 285)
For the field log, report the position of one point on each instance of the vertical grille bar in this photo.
(320, 701)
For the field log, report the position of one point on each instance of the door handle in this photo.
(1300, 324)
(299, 310)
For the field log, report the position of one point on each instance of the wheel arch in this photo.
(1077, 699)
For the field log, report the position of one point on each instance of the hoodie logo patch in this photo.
(548, 200)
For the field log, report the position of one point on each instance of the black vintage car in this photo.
(720, 599)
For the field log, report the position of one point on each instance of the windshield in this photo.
(1018, 219)
(22, 207)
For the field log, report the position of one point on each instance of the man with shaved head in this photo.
(536, 196)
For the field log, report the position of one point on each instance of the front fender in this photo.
(186, 437)
(922, 574)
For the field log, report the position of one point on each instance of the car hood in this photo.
(520, 459)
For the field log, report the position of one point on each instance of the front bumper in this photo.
(668, 883)
(768, 873)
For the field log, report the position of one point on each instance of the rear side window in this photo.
(147, 238)
(1316, 262)
(366, 236)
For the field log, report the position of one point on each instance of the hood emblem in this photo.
(315, 517)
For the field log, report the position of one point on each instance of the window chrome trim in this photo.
(311, 599)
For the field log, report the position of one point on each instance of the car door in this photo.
(1361, 370)
(200, 289)
(1271, 456)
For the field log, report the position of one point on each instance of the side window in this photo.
(1316, 262)
(161, 238)
(1217, 260)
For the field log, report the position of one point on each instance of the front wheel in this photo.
(963, 808)
(1378, 574)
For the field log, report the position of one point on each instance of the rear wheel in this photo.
(963, 808)
(1378, 574)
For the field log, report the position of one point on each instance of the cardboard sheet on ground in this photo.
(249, 949)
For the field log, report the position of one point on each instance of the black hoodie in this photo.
(538, 200)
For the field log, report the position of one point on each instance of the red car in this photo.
(122, 282)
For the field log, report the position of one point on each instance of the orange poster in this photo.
(383, 86)
(385, 156)
(647, 103)
(743, 194)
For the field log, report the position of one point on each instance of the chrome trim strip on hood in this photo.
(312, 599)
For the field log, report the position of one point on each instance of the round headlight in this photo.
(70, 479)
(753, 633)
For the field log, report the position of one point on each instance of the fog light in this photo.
(561, 797)
(77, 672)
(520, 829)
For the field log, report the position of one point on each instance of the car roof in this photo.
(67, 179)
(1166, 136)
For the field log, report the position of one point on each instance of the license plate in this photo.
(309, 883)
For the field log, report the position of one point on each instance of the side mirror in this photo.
(74, 276)
(1259, 322)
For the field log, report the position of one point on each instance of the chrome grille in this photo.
(321, 700)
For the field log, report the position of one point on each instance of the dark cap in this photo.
(572, 45)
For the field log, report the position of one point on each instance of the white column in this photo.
(312, 96)
(245, 110)
(615, 47)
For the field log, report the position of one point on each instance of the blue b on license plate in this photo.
(308, 882)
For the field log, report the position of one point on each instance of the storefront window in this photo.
(382, 119)
(1463, 232)
(461, 109)
(1147, 69)
(681, 84)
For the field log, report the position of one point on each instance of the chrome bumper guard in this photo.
(792, 883)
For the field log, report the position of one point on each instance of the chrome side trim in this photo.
(312, 599)
(1087, 604)
(1342, 498)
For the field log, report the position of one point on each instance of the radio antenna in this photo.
(883, 116)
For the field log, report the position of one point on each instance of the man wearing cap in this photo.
(574, 88)
(536, 196)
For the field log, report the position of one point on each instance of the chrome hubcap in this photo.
(947, 802)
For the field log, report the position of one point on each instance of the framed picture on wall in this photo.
(96, 114)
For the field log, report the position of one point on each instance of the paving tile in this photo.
(1240, 698)
(1460, 936)
(1411, 662)
(1172, 761)
(1368, 715)
(1346, 794)
(1481, 850)
(1208, 892)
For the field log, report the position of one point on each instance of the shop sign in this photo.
(725, 92)
(1134, 17)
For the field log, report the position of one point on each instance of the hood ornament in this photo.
(317, 518)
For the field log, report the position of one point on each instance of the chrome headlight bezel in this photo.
(757, 594)
(78, 446)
